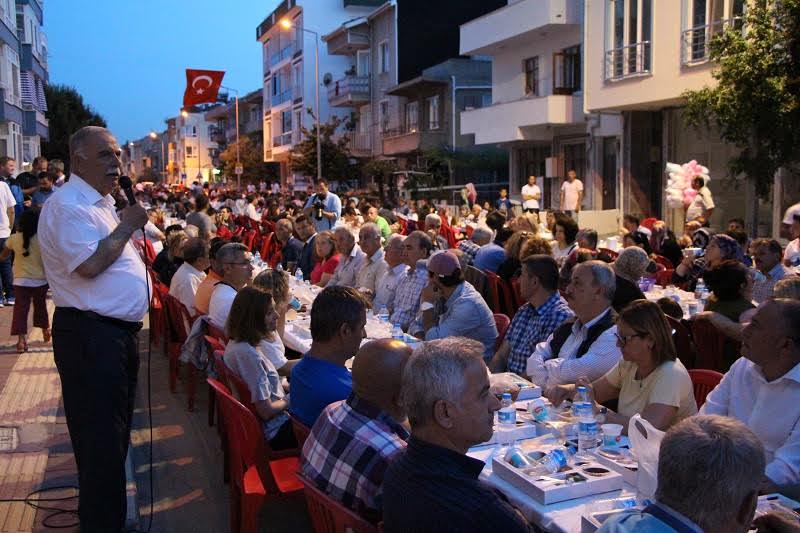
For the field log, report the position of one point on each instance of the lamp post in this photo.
(287, 24)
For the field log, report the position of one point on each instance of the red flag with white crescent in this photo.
(202, 86)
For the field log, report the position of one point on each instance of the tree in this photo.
(67, 114)
(382, 170)
(336, 159)
(756, 103)
(251, 157)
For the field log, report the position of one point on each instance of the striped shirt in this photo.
(407, 294)
(348, 451)
(762, 289)
(532, 326)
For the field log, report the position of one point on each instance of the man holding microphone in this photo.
(101, 295)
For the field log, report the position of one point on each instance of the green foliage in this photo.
(382, 171)
(252, 158)
(756, 103)
(336, 159)
(67, 114)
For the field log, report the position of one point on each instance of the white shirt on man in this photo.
(72, 224)
(251, 213)
(346, 271)
(6, 200)
(700, 205)
(530, 190)
(387, 285)
(571, 192)
(184, 285)
(769, 409)
(219, 307)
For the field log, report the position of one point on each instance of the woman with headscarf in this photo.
(664, 243)
(631, 264)
(717, 248)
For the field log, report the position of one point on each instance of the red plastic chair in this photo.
(683, 342)
(501, 296)
(253, 477)
(330, 516)
(609, 252)
(661, 260)
(649, 223)
(710, 344)
(217, 333)
(703, 382)
(519, 301)
(249, 238)
(301, 431)
(403, 226)
(180, 321)
(502, 322)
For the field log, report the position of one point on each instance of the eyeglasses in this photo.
(623, 340)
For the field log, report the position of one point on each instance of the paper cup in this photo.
(612, 435)
(691, 252)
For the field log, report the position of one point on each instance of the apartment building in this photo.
(33, 76)
(194, 150)
(11, 116)
(288, 37)
(641, 55)
(223, 122)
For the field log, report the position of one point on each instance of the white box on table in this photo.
(522, 430)
(527, 390)
(594, 521)
(595, 479)
(626, 465)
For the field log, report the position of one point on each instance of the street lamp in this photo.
(287, 24)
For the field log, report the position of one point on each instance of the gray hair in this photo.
(371, 229)
(787, 288)
(284, 221)
(395, 239)
(482, 235)
(79, 139)
(229, 252)
(433, 217)
(344, 231)
(707, 466)
(56, 164)
(603, 275)
(436, 372)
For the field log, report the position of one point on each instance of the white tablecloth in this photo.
(297, 335)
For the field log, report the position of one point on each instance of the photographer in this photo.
(323, 207)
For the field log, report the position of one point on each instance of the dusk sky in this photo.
(128, 58)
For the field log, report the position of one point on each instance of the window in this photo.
(707, 18)
(433, 112)
(384, 57)
(531, 68)
(298, 80)
(629, 41)
(567, 70)
(384, 115)
(189, 152)
(475, 100)
(412, 116)
(286, 121)
(298, 120)
(362, 62)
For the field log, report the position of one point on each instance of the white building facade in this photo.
(193, 148)
(33, 76)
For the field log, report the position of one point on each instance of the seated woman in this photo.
(511, 267)
(276, 282)
(327, 259)
(566, 230)
(649, 380)
(526, 222)
(637, 239)
(664, 243)
(170, 258)
(717, 248)
(730, 285)
(631, 264)
(252, 320)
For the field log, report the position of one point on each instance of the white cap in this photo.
(792, 212)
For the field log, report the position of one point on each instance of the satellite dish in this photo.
(327, 79)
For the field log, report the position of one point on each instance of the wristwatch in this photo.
(426, 306)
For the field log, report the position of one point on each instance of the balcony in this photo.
(628, 61)
(283, 54)
(283, 97)
(360, 144)
(695, 41)
(217, 134)
(35, 123)
(10, 107)
(518, 120)
(349, 38)
(516, 24)
(282, 140)
(349, 91)
(404, 140)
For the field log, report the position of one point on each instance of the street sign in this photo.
(239, 170)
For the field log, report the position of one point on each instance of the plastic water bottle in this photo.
(383, 314)
(587, 424)
(279, 268)
(507, 415)
(299, 276)
(554, 461)
(256, 260)
(700, 289)
(397, 332)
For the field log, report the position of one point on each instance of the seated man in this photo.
(761, 388)
(708, 472)
(286, 247)
(493, 254)
(451, 307)
(338, 317)
(768, 254)
(354, 440)
(535, 321)
(416, 249)
(352, 259)
(373, 267)
(587, 346)
(481, 236)
(381, 222)
(434, 485)
(386, 286)
(433, 225)
(202, 295)
(191, 273)
(237, 271)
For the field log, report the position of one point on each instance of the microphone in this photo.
(126, 184)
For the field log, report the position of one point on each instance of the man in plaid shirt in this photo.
(354, 440)
(480, 236)
(416, 249)
(537, 319)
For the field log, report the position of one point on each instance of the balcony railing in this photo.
(349, 89)
(695, 42)
(285, 96)
(628, 61)
(282, 54)
(282, 140)
(360, 143)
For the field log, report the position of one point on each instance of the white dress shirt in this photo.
(386, 286)
(184, 285)
(73, 222)
(251, 213)
(372, 270)
(6, 200)
(220, 305)
(345, 273)
(769, 409)
(603, 354)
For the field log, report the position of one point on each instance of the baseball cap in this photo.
(443, 263)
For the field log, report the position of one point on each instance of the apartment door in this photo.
(644, 134)
(610, 172)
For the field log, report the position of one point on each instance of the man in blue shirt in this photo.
(45, 190)
(492, 255)
(338, 317)
(324, 207)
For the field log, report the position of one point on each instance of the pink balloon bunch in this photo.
(679, 185)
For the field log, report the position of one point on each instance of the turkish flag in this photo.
(202, 86)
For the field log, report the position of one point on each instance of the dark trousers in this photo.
(6, 275)
(26, 295)
(98, 363)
